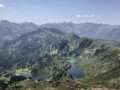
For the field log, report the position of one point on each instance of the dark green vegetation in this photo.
(44, 52)
(32, 45)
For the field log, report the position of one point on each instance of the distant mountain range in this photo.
(10, 30)
(113, 34)
(89, 30)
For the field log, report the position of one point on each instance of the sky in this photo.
(54, 11)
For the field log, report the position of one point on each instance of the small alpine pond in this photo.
(40, 77)
(75, 71)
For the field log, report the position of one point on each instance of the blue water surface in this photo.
(40, 77)
(75, 71)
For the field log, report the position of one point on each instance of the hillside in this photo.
(89, 30)
(32, 45)
(44, 52)
(11, 30)
(114, 35)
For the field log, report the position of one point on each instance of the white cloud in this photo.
(92, 16)
(85, 16)
(1, 5)
(78, 16)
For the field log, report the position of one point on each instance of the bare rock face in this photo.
(85, 43)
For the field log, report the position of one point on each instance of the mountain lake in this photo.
(40, 77)
(75, 71)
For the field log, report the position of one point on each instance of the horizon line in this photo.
(58, 22)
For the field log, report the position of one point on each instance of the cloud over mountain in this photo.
(1, 5)
(85, 16)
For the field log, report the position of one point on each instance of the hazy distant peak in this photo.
(4, 21)
(67, 23)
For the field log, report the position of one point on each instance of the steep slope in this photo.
(44, 52)
(10, 30)
(114, 35)
(100, 62)
(31, 45)
(90, 30)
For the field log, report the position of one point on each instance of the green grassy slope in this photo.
(100, 62)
